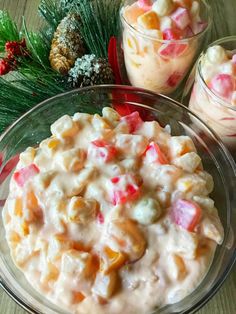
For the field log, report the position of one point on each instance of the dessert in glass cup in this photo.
(213, 96)
(160, 40)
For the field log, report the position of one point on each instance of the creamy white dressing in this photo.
(86, 247)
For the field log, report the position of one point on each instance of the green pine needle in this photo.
(8, 30)
(39, 50)
(53, 11)
(99, 22)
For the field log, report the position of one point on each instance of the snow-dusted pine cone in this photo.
(67, 44)
(89, 71)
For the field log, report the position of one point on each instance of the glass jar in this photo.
(215, 111)
(154, 64)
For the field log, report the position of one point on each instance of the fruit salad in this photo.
(213, 96)
(160, 41)
(109, 211)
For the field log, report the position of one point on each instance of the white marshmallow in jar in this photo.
(213, 95)
(160, 40)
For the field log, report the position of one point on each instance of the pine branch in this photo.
(99, 22)
(39, 50)
(53, 11)
(8, 30)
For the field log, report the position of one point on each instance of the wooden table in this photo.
(225, 300)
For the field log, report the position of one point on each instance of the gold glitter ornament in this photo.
(67, 44)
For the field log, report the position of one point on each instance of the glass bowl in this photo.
(155, 64)
(203, 101)
(34, 126)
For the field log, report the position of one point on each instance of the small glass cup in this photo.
(154, 64)
(219, 114)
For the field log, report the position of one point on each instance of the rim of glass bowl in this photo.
(217, 98)
(164, 41)
(219, 281)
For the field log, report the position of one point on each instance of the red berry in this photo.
(5, 67)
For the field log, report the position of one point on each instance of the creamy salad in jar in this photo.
(160, 41)
(109, 211)
(213, 97)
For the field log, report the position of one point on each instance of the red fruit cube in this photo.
(174, 79)
(172, 50)
(186, 214)
(100, 218)
(24, 174)
(101, 150)
(223, 85)
(181, 18)
(124, 188)
(153, 154)
(146, 5)
(133, 120)
(171, 34)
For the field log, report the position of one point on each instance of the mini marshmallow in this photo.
(216, 54)
(166, 23)
(181, 18)
(163, 7)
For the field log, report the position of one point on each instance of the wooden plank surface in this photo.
(224, 301)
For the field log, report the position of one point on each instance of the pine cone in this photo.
(89, 71)
(67, 44)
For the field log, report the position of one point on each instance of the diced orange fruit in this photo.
(31, 201)
(132, 13)
(184, 3)
(25, 228)
(115, 260)
(14, 237)
(149, 20)
(78, 297)
(18, 207)
(53, 143)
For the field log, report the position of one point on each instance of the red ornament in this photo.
(113, 59)
(5, 66)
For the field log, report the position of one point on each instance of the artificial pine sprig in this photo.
(38, 48)
(8, 30)
(99, 22)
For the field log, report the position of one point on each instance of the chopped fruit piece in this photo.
(211, 228)
(188, 162)
(176, 267)
(183, 3)
(149, 20)
(171, 34)
(24, 229)
(133, 120)
(174, 79)
(64, 127)
(81, 210)
(18, 210)
(154, 154)
(112, 260)
(163, 7)
(132, 13)
(146, 5)
(128, 237)
(125, 188)
(72, 159)
(147, 211)
(181, 18)
(27, 157)
(77, 264)
(24, 174)
(223, 85)
(102, 151)
(100, 218)
(180, 145)
(131, 145)
(105, 285)
(186, 214)
(111, 115)
(78, 297)
(31, 201)
(99, 123)
(172, 50)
